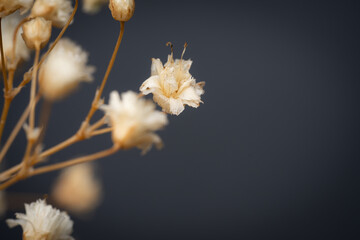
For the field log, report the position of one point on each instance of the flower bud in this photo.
(36, 32)
(122, 10)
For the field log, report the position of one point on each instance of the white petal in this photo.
(156, 66)
(176, 106)
(150, 85)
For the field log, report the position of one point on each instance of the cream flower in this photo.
(172, 85)
(134, 121)
(43, 222)
(122, 10)
(93, 6)
(3, 206)
(9, 24)
(77, 189)
(9, 6)
(57, 11)
(36, 32)
(63, 70)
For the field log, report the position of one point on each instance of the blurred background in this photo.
(273, 153)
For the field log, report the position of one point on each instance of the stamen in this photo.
(171, 47)
(185, 46)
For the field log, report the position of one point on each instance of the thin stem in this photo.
(74, 161)
(33, 90)
(98, 124)
(15, 131)
(94, 106)
(59, 147)
(61, 33)
(101, 131)
(9, 182)
(3, 63)
(7, 174)
(4, 114)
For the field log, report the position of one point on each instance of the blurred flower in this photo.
(172, 85)
(63, 70)
(9, 6)
(93, 6)
(43, 222)
(9, 24)
(57, 11)
(122, 10)
(134, 121)
(3, 206)
(77, 189)
(36, 32)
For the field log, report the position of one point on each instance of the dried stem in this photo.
(33, 90)
(74, 161)
(4, 114)
(101, 131)
(94, 105)
(15, 131)
(3, 63)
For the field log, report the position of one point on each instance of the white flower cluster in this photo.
(63, 70)
(43, 222)
(77, 189)
(134, 121)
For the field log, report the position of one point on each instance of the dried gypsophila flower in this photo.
(77, 189)
(134, 121)
(56, 11)
(22, 52)
(7, 7)
(36, 32)
(43, 222)
(122, 10)
(63, 70)
(172, 85)
(93, 6)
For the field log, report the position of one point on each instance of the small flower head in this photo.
(122, 10)
(172, 85)
(22, 52)
(36, 32)
(134, 121)
(77, 189)
(43, 222)
(56, 11)
(93, 6)
(7, 7)
(63, 70)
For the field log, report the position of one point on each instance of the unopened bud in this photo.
(122, 10)
(36, 32)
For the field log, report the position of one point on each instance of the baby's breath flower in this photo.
(43, 222)
(57, 11)
(77, 189)
(36, 32)
(63, 70)
(93, 6)
(9, 6)
(134, 121)
(172, 85)
(122, 10)
(22, 52)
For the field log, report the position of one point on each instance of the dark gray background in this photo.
(272, 154)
